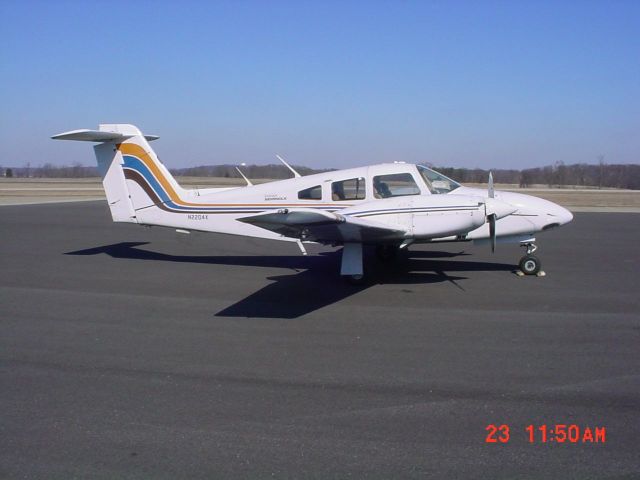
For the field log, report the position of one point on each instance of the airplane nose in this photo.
(564, 215)
(556, 215)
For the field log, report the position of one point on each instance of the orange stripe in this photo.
(139, 152)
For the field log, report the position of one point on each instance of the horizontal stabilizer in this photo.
(85, 135)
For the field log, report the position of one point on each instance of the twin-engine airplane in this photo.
(390, 206)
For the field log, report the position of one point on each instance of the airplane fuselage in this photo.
(420, 211)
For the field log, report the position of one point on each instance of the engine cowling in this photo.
(446, 215)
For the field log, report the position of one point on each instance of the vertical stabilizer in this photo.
(133, 177)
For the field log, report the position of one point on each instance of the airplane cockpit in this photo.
(436, 182)
(406, 179)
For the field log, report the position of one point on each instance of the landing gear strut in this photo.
(530, 264)
(352, 265)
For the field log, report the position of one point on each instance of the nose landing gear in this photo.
(530, 264)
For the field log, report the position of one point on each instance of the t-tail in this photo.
(133, 177)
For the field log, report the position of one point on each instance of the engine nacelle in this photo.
(446, 215)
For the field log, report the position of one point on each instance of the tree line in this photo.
(48, 170)
(558, 175)
(582, 175)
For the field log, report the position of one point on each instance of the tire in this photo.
(386, 253)
(355, 279)
(530, 265)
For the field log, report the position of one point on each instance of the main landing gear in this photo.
(355, 279)
(530, 264)
(387, 253)
(352, 267)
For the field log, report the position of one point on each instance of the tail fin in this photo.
(132, 175)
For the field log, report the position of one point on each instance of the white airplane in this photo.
(390, 205)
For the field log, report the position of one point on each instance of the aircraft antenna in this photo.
(295, 174)
(249, 184)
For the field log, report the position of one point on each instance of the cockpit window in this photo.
(394, 185)
(352, 189)
(437, 182)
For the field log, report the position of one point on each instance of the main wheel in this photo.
(355, 279)
(530, 265)
(386, 253)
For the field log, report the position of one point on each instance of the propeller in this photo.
(495, 209)
(492, 231)
(491, 192)
(492, 216)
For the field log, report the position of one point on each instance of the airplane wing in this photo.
(323, 227)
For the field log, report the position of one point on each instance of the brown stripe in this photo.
(139, 179)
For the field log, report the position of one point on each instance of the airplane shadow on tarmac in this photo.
(296, 294)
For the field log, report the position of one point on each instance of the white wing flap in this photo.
(324, 227)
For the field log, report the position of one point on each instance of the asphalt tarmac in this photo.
(128, 352)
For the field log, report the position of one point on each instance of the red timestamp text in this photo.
(557, 433)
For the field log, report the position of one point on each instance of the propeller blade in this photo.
(492, 231)
(491, 192)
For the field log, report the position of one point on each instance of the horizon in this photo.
(88, 163)
(298, 165)
(489, 85)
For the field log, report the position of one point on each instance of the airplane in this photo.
(390, 205)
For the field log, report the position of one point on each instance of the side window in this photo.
(352, 189)
(312, 193)
(394, 185)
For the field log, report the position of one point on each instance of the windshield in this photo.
(437, 182)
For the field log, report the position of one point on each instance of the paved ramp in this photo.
(129, 352)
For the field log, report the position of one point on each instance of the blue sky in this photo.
(509, 84)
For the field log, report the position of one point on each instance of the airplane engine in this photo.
(444, 222)
(452, 215)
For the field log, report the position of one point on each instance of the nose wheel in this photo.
(530, 264)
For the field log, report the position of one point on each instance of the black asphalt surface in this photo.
(128, 352)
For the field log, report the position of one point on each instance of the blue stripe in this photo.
(136, 164)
